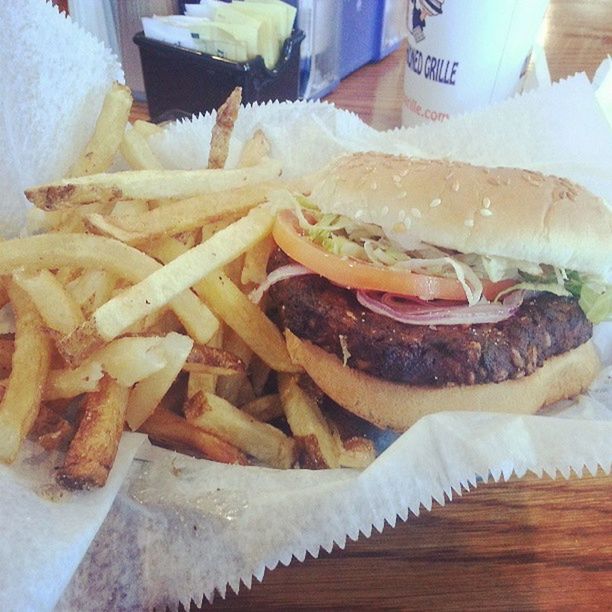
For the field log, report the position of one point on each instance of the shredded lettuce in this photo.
(346, 237)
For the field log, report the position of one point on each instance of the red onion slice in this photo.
(406, 310)
(277, 275)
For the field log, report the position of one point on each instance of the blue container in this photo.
(361, 33)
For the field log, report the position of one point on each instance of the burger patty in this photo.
(329, 316)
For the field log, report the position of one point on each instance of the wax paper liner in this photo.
(179, 509)
(180, 527)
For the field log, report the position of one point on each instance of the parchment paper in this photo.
(169, 528)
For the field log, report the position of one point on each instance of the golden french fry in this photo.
(100, 150)
(30, 364)
(128, 209)
(169, 429)
(222, 130)
(93, 449)
(167, 282)
(181, 216)
(58, 309)
(262, 441)
(146, 128)
(254, 150)
(265, 408)
(147, 185)
(254, 269)
(259, 373)
(308, 424)
(247, 320)
(355, 452)
(229, 387)
(91, 289)
(7, 347)
(147, 394)
(206, 359)
(53, 251)
(68, 383)
(206, 383)
(51, 430)
(137, 152)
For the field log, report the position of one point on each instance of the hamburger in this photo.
(410, 286)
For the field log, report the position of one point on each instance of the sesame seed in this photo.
(416, 212)
(399, 228)
(469, 223)
(397, 178)
(455, 186)
(359, 214)
(385, 211)
(435, 202)
(374, 185)
(486, 202)
(403, 194)
(404, 172)
(485, 212)
(401, 215)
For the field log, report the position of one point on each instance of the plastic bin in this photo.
(393, 28)
(179, 79)
(320, 53)
(361, 31)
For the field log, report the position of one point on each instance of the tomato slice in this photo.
(356, 274)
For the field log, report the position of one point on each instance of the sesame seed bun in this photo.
(504, 212)
(399, 406)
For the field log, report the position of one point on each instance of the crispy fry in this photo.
(260, 440)
(247, 320)
(206, 359)
(146, 128)
(254, 150)
(7, 347)
(93, 449)
(91, 289)
(51, 430)
(168, 429)
(128, 209)
(183, 215)
(254, 269)
(68, 383)
(53, 251)
(206, 383)
(147, 185)
(222, 130)
(30, 365)
(308, 424)
(100, 150)
(137, 152)
(165, 284)
(265, 408)
(55, 305)
(147, 394)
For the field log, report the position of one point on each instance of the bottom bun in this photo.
(398, 406)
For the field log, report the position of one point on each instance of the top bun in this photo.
(504, 212)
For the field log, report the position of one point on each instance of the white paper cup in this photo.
(465, 54)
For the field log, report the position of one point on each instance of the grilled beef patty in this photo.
(329, 316)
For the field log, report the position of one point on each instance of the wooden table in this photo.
(525, 544)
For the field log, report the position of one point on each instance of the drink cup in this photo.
(465, 54)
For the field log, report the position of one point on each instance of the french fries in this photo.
(255, 149)
(247, 320)
(222, 130)
(30, 364)
(181, 216)
(168, 282)
(137, 152)
(262, 441)
(99, 152)
(92, 451)
(308, 424)
(168, 429)
(151, 320)
(147, 185)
